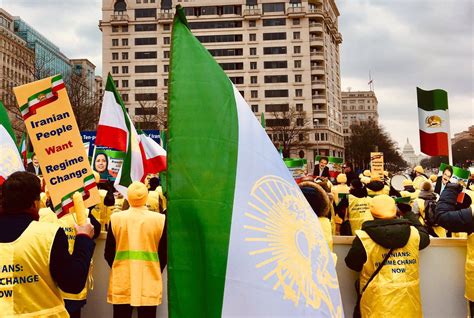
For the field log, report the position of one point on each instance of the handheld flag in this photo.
(433, 118)
(5, 122)
(244, 242)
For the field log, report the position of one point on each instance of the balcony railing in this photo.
(316, 53)
(317, 67)
(318, 82)
(315, 11)
(252, 12)
(296, 10)
(315, 25)
(119, 18)
(165, 16)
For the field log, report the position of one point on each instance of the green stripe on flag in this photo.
(202, 162)
(436, 99)
(5, 122)
(136, 256)
(459, 173)
(330, 159)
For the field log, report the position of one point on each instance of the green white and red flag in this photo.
(433, 118)
(244, 242)
(23, 147)
(42, 98)
(10, 160)
(116, 131)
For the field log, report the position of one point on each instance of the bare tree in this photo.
(83, 100)
(288, 128)
(151, 115)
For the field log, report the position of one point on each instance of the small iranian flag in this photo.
(5, 121)
(433, 120)
(10, 160)
(154, 156)
(243, 241)
(115, 130)
(23, 148)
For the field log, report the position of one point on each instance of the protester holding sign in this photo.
(34, 256)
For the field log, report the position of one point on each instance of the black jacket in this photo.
(31, 168)
(62, 264)
(437, 188)
(449, 215)
(324, 174)
(387, 233)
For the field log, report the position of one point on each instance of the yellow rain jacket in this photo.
(395, 291)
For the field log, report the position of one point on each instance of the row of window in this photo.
(141, 97)
(272, 36)
(140, 55)
(268, 79)
(138, 69)
(140, 27)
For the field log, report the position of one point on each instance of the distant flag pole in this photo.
(371, 82)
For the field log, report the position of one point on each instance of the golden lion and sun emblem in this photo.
(10, 161)
(433, 121)
(288, 245)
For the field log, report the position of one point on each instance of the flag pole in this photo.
(450, 147)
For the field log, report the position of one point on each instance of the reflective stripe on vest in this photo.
(136, 256)
(135, 277)
(27, 288)
(395, 291)
(358, 212)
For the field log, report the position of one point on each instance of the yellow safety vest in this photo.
(469, 268)
(67, 223)
(327, 232)
(358, 212)
(385, 190)
(412, 195)
(135, 277)
(395, 291)
(102, 212)
(440, 231)
(340, 188)
(153, 203)
(27, 288)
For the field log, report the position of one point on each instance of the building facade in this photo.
(357, 107)
(49, 60)
(408, 154)
(99, 92)
(280, 55)
(16, 63)
(86, 70)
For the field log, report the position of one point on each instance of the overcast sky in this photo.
(404, 43)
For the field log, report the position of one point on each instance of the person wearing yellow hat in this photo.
(340, 188)
(102, 210)
(409, 190)
(354, 209)
(135, 251)
(386, 253)
(420, 177)
(377, 187)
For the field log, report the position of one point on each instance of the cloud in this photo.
(407, 44)
(72, 25)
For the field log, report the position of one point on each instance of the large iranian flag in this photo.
(433, 120)
(10, 160)
(243, 241)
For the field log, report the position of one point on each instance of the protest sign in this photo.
(334, 165)
(54, 134)
(107, 162)
(459, 174)
(376, 164)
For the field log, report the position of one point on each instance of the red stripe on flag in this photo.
(156, 164)
(434, 144)
(2, 180)
(111, 137)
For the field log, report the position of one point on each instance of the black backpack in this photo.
(430, 216)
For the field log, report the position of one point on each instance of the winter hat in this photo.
(426, 186)
(407, 182)
(316, 196)
(356, 184)
(375, 177)
(433, 178)
(341, 178)
(137, 194)
(366, 173)
(383, 207)
(419, 169)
